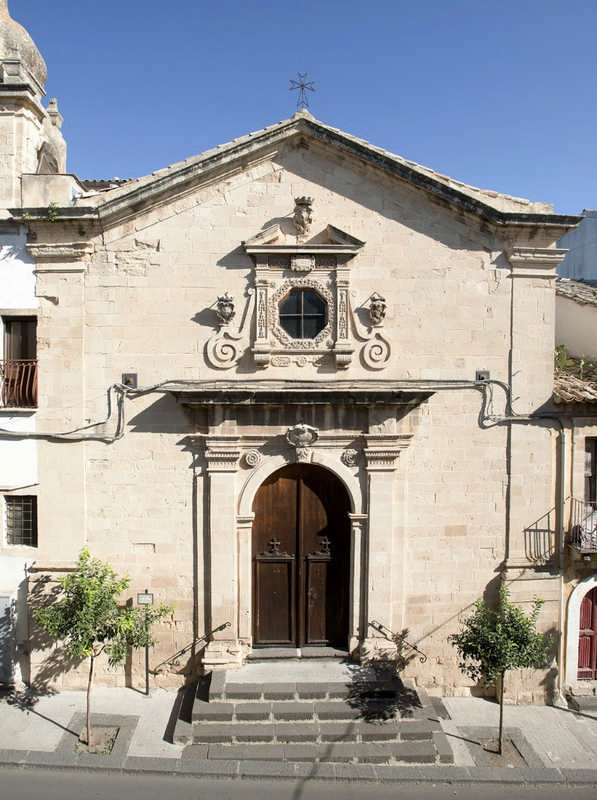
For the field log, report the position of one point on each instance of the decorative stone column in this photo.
(357, 621)
(344, 348)
(245, 529)
(222, 455)
(261, 347)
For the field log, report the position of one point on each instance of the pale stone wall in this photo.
(157, 509)
(576, 324)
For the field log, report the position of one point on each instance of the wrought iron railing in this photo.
(18, 383)
(174, 660)
(398, 639)
(583, 526)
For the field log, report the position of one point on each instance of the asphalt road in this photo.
(33, 784)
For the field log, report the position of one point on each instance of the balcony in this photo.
(18, 383)
(583, 527)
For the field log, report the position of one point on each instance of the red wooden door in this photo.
(587, 640)
(301, 559)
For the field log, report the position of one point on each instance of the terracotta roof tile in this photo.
(576, 382)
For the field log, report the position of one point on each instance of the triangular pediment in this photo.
(282, 238)
(135, 196)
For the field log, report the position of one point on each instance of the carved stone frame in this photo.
(275, 275)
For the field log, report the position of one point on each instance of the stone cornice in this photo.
(209, 393)
(51, 257)
(173, 181)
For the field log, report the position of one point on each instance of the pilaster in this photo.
(381, 453)
(222, 456)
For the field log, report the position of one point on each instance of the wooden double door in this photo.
(587, 642)
(301, 559)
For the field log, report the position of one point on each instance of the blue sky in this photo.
(499, 95)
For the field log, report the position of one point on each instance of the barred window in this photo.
(21, 520)
(303, 314)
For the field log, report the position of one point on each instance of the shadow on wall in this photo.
(44, 591)
(164, 415)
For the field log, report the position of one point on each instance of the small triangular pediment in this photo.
(284, 237)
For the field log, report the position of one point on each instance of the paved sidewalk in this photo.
(558, 745)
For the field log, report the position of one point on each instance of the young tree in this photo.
(493, 641)
(89, 619)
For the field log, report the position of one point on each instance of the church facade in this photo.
(296, 387)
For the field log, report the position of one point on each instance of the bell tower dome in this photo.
(30, 137)
(20, 57)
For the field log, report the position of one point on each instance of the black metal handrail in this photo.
(397, 638)
(174, 660)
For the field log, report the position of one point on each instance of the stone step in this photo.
(313, 731)
(292, 710)
(289, 714)
(339, 752)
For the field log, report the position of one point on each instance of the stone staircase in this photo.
(319, 713)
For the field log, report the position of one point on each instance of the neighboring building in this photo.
(329, 375)
(30, 142)
(580, 262)
(576, 401)
(576, 318)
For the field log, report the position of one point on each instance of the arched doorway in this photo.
(587, 637)
(301, 562)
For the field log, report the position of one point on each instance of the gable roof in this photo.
(493, 207)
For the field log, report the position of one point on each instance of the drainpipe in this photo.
(559, 699)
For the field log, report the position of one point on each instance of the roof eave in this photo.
(131, 199)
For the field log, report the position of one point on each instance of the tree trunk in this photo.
(501, 726)
(89, 682)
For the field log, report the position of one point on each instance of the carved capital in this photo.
(381, 460)
(51, 256)
(222, 458)
(535, 262)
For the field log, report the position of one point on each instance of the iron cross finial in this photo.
(302, 86)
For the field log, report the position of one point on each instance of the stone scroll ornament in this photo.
(253, 459)
(376, 352)
(222, 350)
(302, 437)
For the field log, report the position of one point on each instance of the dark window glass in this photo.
(591, 470)
(303, 314)
(19, 338)
(21, 520)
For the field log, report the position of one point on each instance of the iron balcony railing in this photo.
(18, 383)
(583, 526)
